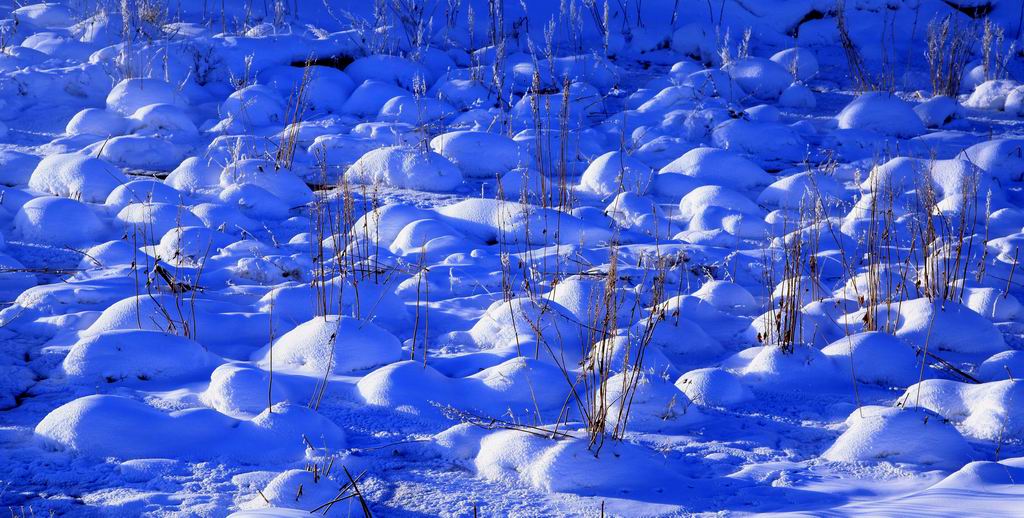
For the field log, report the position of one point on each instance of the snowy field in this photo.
(511, 258)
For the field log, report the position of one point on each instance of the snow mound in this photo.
(986, 474)
(326, 88)
(1015, 102)
(194, 174)
(900, 435)
(281, 183)
(707, 196)
(45, 220)
(116, 426)
(16, 167)
(405, 167)
(1001, 366)
(298, 489)
(881, 113)
(238, 390)
(142, 191)
(218, 326)
(878, 358)
(581, 295)
(478, 154)
(156, 219)
(1002, 158)
(805, 366)
(493, 220)
(721, 167)
(991, 95)
(522, 323)
(569, 466)
(760, 77)
(747, 137)
(190, 246)
(254, 105)
(72, 175)
(98, 122)
(615, 171)
(798, 96)
(714, 387)
(947, 326)
(389, 69)
(370, 96)
(331, 345)
(144, 152)
(136, 355)
(938, 111)
(374, 302)
(800, 61)
(408, 109)
(993, 304)
(406, 384)
(131, 94)
(164, 120)
(653, 405)
(682, 339)
(988, 411)
(799, 189)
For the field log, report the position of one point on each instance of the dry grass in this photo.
(949, 50)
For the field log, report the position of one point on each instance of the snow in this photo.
(509, 259)
(613, 172)
(129, 95)
(878, 358)
(882, 113)
(984, 411)
(991, 95)
(881, 433)
(45, 220)
(800, 61)
(713, 387)
(331, 345)
(762, 78)
(714, 166)
(84, 425)
(405, 167)
(478, 154)
(78, 176)
(132, 355)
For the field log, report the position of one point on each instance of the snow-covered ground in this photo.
(511, 258)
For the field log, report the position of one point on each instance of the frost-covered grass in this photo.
(585, 258)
